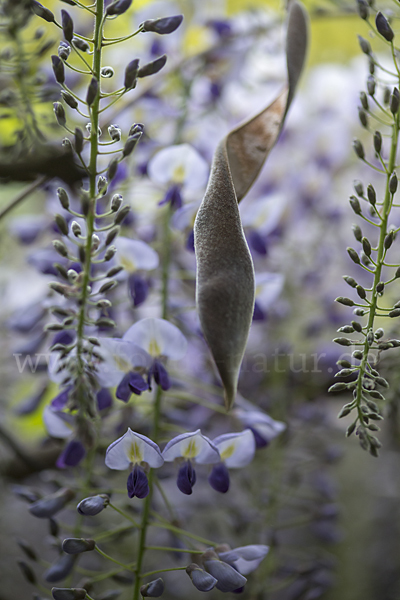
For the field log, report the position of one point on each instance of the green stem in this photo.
(114, 560)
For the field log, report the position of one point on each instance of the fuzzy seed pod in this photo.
(225, 273)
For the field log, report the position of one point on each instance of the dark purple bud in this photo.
(152, 67)
(112, 169)
(72, 455)
(163, 25)
(201, 580)
(68, 593)
(173, 197)
(383, 27)
(131, 73)
(219, 478)
(67, 25)
(118, 8)
(50, 505)
(136, 128)
(64, 50)
(186, 478)
(80, 44)
(104, 399)
(58, 68)
(160, 375)
(122, 214)
(60, 569)
(137, 483)
(78, 140)
(60, 113)
(61, 400)
(78, 545)
(138, 289)
(93, 505)
(92, 91)
(42, 11)
(130, 143)
(153, 589)
(69, 99)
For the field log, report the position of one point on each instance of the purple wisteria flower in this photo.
(61, 425)
(263, 427)
(236, 450)
(245, 559)
(138, 453)
(188, 449)
(160, 339)
(136, 256)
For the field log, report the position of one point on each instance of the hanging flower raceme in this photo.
(138, 453)
(136, 256)
(236, 450)
(160, 339)
(188, 449)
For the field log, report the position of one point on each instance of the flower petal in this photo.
(236, 449)
(137, 483)
(228, 578)
(135, 254)
(119, 357)
(219, 478)
(72, 455)
(193, 446)
(186, 478)
(179, 164)
(58, 424)
(245, 558)
(133, 448)
(158, 337)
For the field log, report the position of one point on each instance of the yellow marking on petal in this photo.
(135, 453)
(128, 264)
(122, 364)
(178, 174)
(154, 348)
(191, 450)
(227, 453)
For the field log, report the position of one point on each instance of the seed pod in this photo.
(93, 88)
(152, 67)
(42, 12)
(153, 589)
(67, 25)
(383, 27)
(378, 141)
(58, 69)
(225, 274)
(163, 25)
(131, 73)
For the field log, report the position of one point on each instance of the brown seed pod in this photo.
(225, 273)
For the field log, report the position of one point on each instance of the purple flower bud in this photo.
(154, 589)
(58, 69)
(118, 8)
(42, 12)
(60, 113)
(50, 505)
(383, 27)
(68, 593)
(228, 578)
(201, 580)
(77, 545)
(93, 88)
(219, 478)
(160, 374)
(60, 569)
(137, 483)
(186, 478)
(93, 505)
(27, 572)
(173, 197)
(130, 143)
(104, 399)
(131, 72)
(72, 455)
(67, 25)
(80, 44)
(163, 25)
(152, 67)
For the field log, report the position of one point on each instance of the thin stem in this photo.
(23, 195)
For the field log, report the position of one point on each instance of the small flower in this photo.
(263, 427)
(228, 578)
(136, 255)
(190, 448)
(159, 339)
(137, 452)
(93, 505)
(201, 580)
(245, 559)
(236, 450)
(153, 589)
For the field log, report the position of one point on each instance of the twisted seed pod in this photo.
(225, 272)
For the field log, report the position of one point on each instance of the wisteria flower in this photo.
(268, 288)
(188, 449)
(245, 559)
(263, 427)
(138, 453)
(61, 425)
(160, 339)
(228, 578)
(236, 450)
(134, 256)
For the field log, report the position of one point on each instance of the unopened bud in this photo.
(78, 545)
(63, 198)
(154, 589)
(67, 25)
(152, 67)
(50, 505)
(61, 224)
(353, 255)
(93, 505)
(378, 141)
(60, 113)
(131, 73)
(393, 183)
(116, 202)
(358, 149)
(68, 593)
(383, 27)
(371, 85)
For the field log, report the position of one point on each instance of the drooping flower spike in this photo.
(189, 448)
(159, 339)
(236, 450)
(136, 452)
(225, 273)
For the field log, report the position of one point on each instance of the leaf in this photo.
(225, 272)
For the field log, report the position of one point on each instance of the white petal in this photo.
(194, 446)
(236, 449)
(179, 164)
(58, 423)
(133, 448)
(135, 254)
(245, 558)
(184, 217)
(120, 357)
(268, 288)
(265, 425)
(158, 337)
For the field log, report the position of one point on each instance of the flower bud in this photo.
(342, 342)
(112, 234)
(114, 132)
(50, 505)
(371, 85)
(92, 91)
(201, 580)
(358, 149)
(102, 185)
(361, 292)
(362, 117)
(356, 326)
(364, 100)
(378, 141)
(93, 505)
(355, 205)
(383, 27)
(69, 99)
(27, 572)
(394, 101)
(42, 12)
(357, 232)
(60, 248)
(60, 569)
(112, 169)
(380, 287)
(353, 255)
(64, 50)
(364, 45)
(68, 593)
(130, 144)
(61, 224)
(58, 69)
(63, 198)
(393, 183)
(67, 25)
(350, 281)
(345, 301)
(118, 7)
(162, 26)
(153, 67)
(136, 128)
(110, 253)
(154, 589)
(60, 113)
(77, 545)
(371, 194)
(116, 202)
(358, 188)
(76, 229)
(122, 214)
(78, 140)
(131, 73)
(366, 246)
(81, 44)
